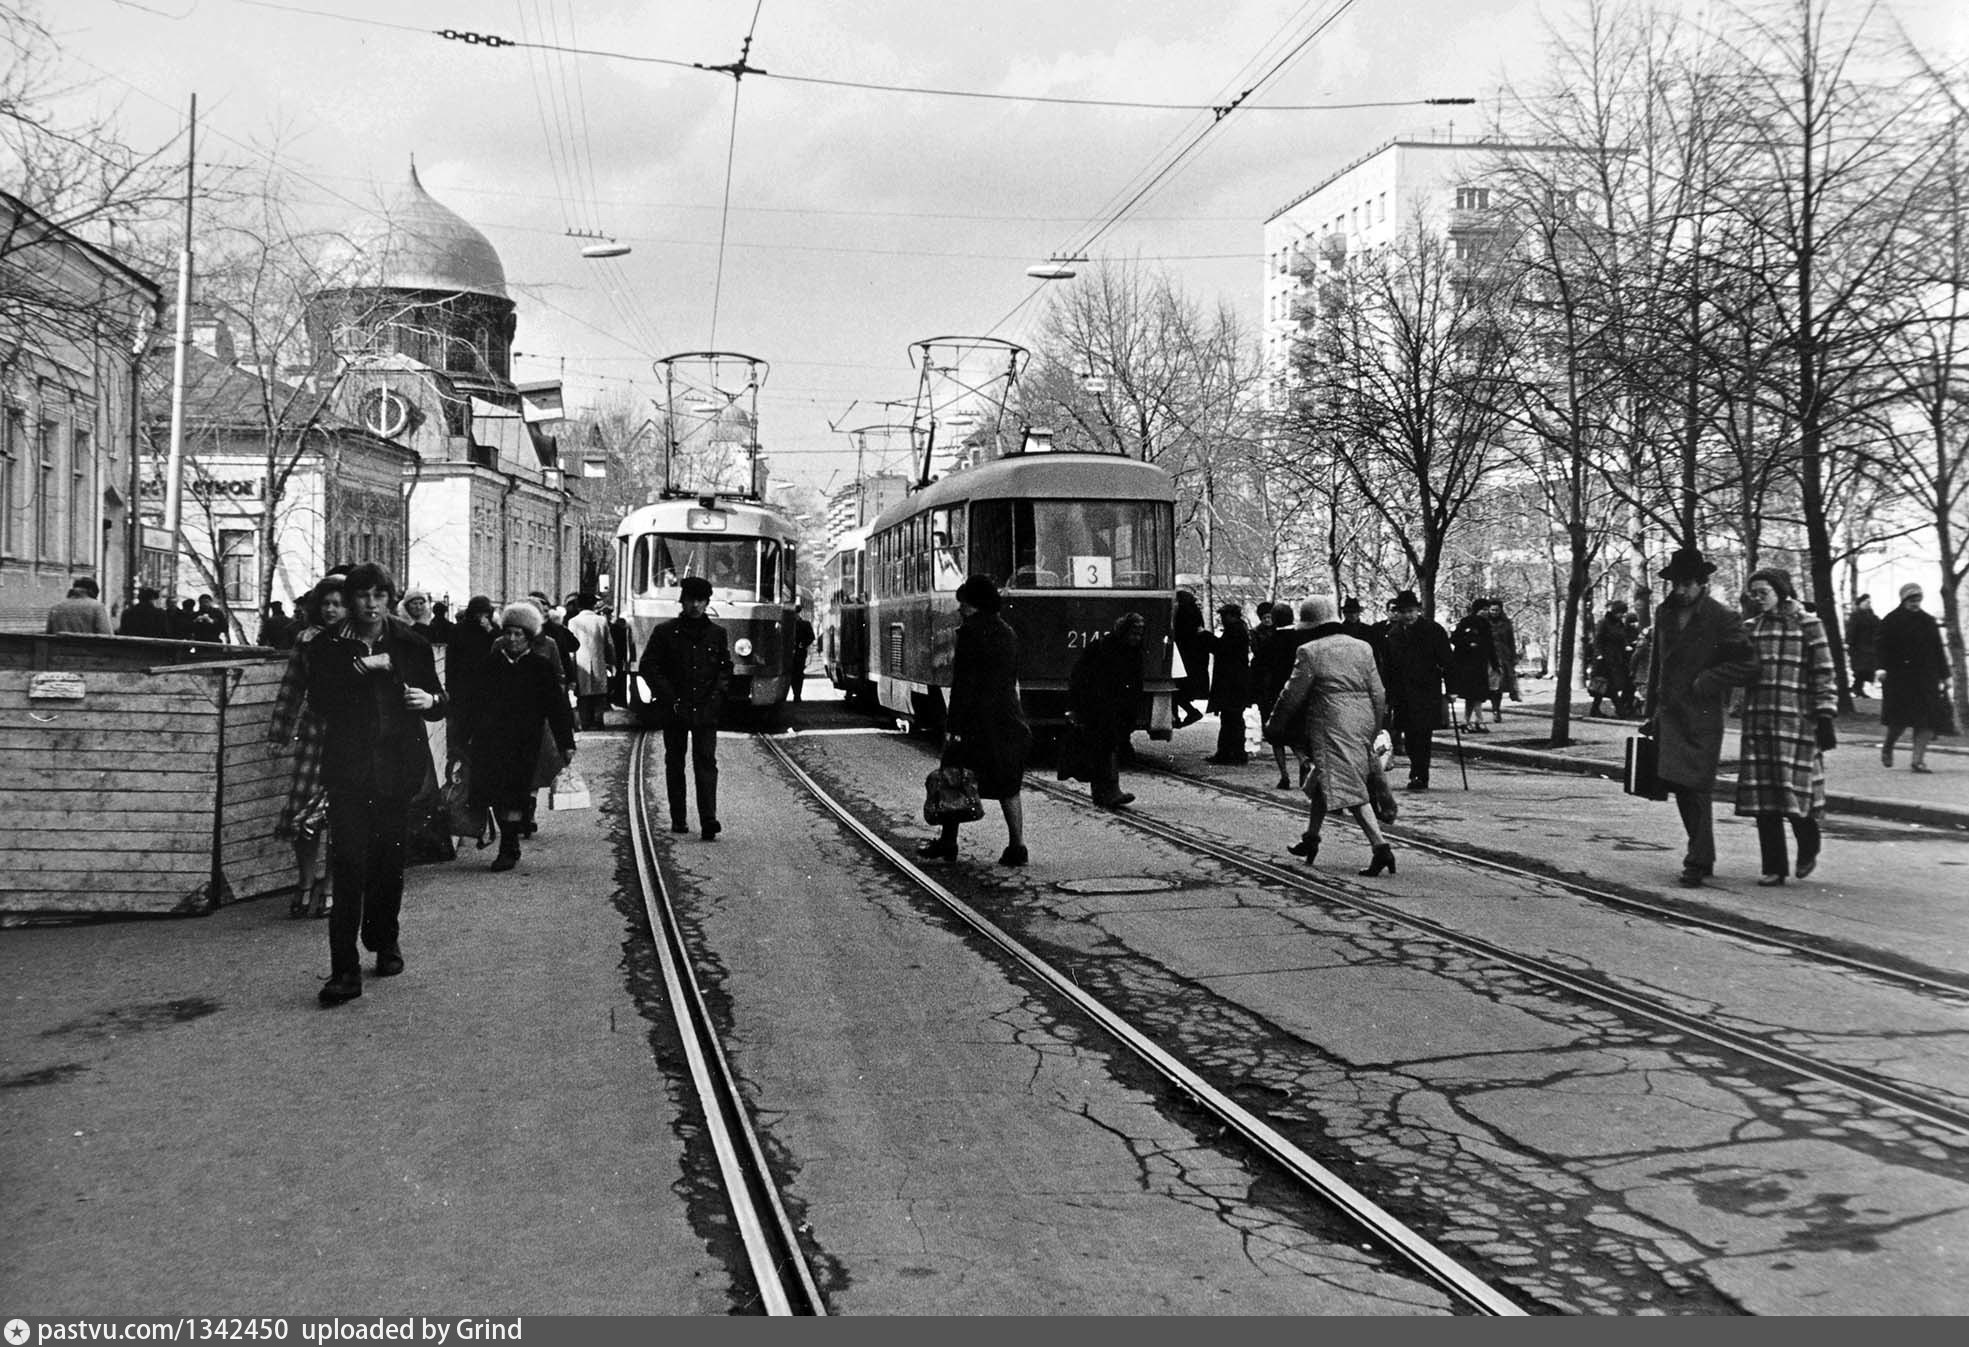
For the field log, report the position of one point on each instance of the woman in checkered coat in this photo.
(296, 727)
(1787, 724)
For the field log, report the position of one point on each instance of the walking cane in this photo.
(1456, 728)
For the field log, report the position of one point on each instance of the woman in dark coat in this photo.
(1192, 636)
(984, 728)
(1272, 649)
(1913, 679)
(1230, 686)
(518, 693)
(1473, 662)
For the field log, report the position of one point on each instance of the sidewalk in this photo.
(1856, 783)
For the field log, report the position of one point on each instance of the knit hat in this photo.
(1908, 589)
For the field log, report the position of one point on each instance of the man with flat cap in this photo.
(1699, 652)
(1418, 660)
(687, 665)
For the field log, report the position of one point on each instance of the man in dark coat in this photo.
(1104, 695)
(1192, 637)
(277, 631)
(1272, 650)
(1230, 686)
(1613, 648)
(1418, 663)
(687, 665)
(803, 641)
(374, 683)
(1862, 642)
(1699, 651)
(146, 617)
(1914, 679)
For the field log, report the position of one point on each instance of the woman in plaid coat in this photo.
(295, 724)
(1787, 724)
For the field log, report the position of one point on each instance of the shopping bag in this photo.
(461, 819)
(950, 795)
(570, 791)
(1643, 759)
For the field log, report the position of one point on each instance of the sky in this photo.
(854, 221)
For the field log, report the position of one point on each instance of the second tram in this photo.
(747, 551)
(1073, 540)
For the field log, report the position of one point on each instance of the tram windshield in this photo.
(741, 570)
(1074, 544)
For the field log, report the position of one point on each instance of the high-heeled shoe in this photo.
(1384, 859)
(1306, 848)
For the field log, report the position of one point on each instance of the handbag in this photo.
(570, 791)
(1643, 762)
(461, 818)
(950, 795)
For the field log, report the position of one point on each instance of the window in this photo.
(236, 552)
(1562, 200)
(1055, 544)
(1381, 207)
(1473, 198)
(46, 484)
(13, 434)
(80, 516)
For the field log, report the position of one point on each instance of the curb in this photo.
(1901, 811)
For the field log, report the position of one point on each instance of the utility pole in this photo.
(174, 469)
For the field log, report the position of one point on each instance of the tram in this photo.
(747, 551)
(1073, 540)
(844, 620)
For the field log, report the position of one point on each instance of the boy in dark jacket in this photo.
(687, 665)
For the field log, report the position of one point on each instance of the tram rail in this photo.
(1411, 1248)
(1680, 915)
(778, 1264)
(1594, 990)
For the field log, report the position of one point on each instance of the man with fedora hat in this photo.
(1417, 659)
(687, 665)
(1700, 651)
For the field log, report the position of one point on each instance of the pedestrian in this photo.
(1419, 659)
(81, 613)
(416, 610)
(618, 656)
(146, 617)
(208, 622)
(517, 697)
(1913, 679)
(590, 629)
(803, 641)
(1610, 673)
(1788, 723)
(181, 625)
(687, 666)
(1192, 637)
(1506, 637)
(375, 683)
(984, 728)
(1330, 711)
(1699, 651)
(1473, 652)
(296, 727)
(553, 627)
(277, 630)
(1104, 696)
(1271, 664)
(441, 624)
(1230, 685)
(1862, 641)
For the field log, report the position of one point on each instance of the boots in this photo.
(1384, 859)
(509, 844)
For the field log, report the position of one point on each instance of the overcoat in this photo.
(372, 743)
(296, 724)
(1913, 667)
(1418, 660)
(1863, 643)
(993, 738)
(687, 664)
(1230, 670)
(516, 698)
(1330, 710)
(1192, 640)
(591, 657)
(1700, 652)
(1473, 648)
(1272, 650)
(1104, 691)
(1780, 769)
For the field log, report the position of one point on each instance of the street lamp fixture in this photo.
(1055, 268)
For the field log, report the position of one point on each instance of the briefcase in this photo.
(1643, 761)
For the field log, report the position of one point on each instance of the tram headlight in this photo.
(742, 647)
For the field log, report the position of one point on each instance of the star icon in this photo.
(17, 1332)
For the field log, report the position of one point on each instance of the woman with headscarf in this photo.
(984, 727)
(1788, 715)
(1913, 679)
(304, 819)
(1192, 636)
(1330, 711)
(519, 695)
(1230, 686)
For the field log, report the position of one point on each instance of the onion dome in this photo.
(416, 243)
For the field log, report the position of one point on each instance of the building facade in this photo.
(72, 320)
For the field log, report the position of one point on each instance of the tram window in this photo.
(1075, 544)
(639, 573)
(947, 549)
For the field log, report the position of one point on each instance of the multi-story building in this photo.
(72, 318)
(860, 501)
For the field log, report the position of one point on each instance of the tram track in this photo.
(1406, 1245)
(1676, 914)
(1593, 989)
(778, 1264)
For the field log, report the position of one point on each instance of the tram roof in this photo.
(668, 516)
(1056, 474)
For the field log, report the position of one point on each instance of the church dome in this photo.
(417, 243)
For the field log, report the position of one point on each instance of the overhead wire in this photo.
(738, 70)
